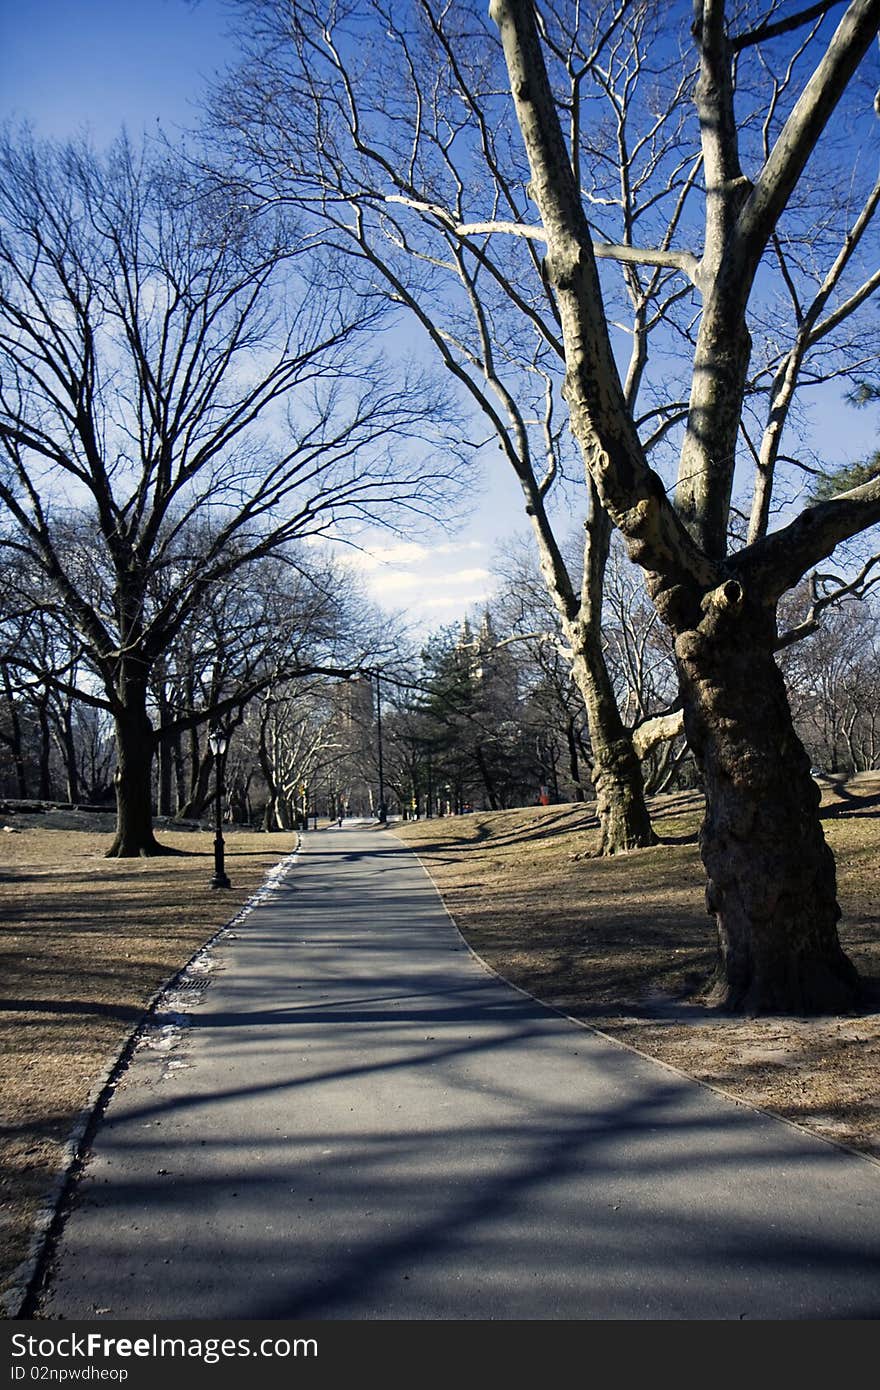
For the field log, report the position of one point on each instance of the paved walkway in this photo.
(362, 1122)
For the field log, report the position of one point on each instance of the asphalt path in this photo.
(363, 1122)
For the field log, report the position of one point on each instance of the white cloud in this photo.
(466, 576)
(395, 581)
(457, 606)
(428, 584)
(411, 553)
(406, 553)
(458, 547)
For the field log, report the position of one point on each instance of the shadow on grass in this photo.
(158, 851)
(125, 1013)
(547, 828)
(850, 805)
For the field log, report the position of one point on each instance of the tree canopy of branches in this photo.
(687, 175)
(184, 388)
(285, 617)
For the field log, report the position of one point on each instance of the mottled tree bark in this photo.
(616, 774)
(771, 882)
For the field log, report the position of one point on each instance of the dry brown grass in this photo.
(86, 942)
(625, 944)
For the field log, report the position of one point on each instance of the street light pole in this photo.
(382, 809)
(218, 740)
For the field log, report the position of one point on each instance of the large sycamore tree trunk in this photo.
(771, 880)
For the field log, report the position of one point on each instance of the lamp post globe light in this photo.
(218, 741)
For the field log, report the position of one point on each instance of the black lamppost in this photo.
(382, 815)
(218, 740)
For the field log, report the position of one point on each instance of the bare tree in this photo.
(170, 358)
(636, 648)
(278, 616)
(391, 170)
(634, 167)
(272, 636)
(300, 750)
(771, 874)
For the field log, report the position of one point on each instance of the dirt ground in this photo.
(85, 942)
(625, 944)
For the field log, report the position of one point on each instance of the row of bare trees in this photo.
(490, 717)
(487, 716)
(285, 623)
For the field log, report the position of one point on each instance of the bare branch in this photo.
(811, 330)
(632, 494)
(858, 587)
(776, 562)
(781, 26)
(603, 250)
(523, 229)
(658, 728)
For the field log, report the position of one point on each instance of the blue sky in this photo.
(73, 64)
